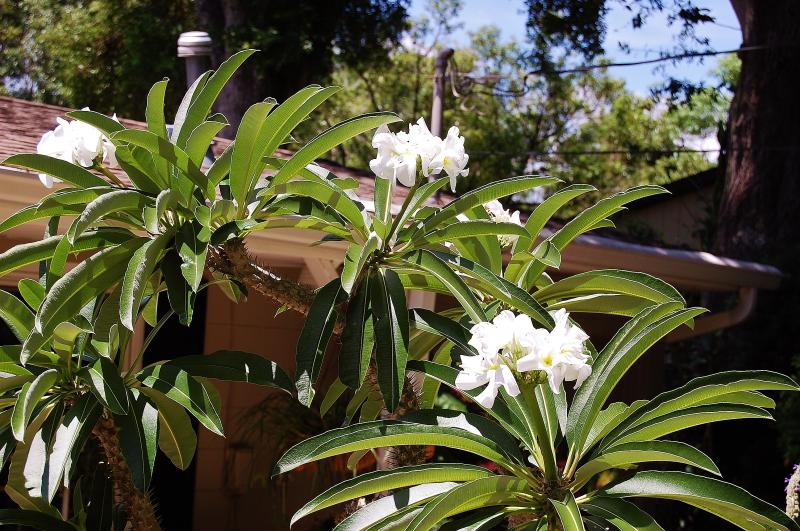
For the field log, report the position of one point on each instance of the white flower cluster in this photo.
(76, 142)
(501, 215)
(511, 342)
(398, 154)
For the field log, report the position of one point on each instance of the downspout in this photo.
(718, 321)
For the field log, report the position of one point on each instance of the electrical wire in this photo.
(476, 80)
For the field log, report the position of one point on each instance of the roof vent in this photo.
(195, 47)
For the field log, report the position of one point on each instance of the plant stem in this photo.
(137, 504)
(399, 215)
(533, 417)
(113, 178)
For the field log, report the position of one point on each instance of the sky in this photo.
(508, 15)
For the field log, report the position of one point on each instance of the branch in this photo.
(137, 504)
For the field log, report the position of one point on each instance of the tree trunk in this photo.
(758, 216)
(760, 204)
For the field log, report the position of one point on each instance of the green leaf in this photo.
(32, 293)
(176, 436)
(200, 141)
(624, 515)
(106, 383)
(434, 323)
(605, 303)
(706, 389)
(105, 124)
(354, 260)
(181, 297)
(192, 244)
(568, 513)
(433, 264)
(638, 335)
(246, 158)
(722, 499)
(42, 250)
(389, 480)
(60, 169)
(615, 281)
(291, 112)
(75, 428)
(83, 283)
(30, 460)
(402, 502)
(154, 112)
(33, 519)
(685, 418)
(382, 201)
(483, 195)
(500, 288)
(417, 201)
(328, 194)
(163, 149)
(314, 338)
(141, 266)
(358, 338)
(36, 212)
(589, 219)
(461, 431)
(334, 393)
(203, 96)
(469, 229)
(544, 211)
(236, 366)
(138, 434)
(625, 455)
(501, 410)
(181, 387)
(390, 319)
(475, 494)
(29, 396)
(17, 316)
(328, 140)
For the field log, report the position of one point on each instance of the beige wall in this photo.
(227, 493)
(674, 221)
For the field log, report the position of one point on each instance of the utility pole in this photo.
(439, 83)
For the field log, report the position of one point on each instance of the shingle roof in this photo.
(22, 124)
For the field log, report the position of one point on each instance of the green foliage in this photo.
(154, 239)
(103, 54)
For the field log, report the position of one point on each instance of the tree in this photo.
(760, 159)
(79, 60)
(512, 127)
(300, 42)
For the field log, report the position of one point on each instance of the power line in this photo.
(604, 152)
(599, 66)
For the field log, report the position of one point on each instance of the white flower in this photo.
(76, 142)
(499, 344)
(559, 354)
(452, 158)
(398, 154)
(396, 160)
(491, 370)
(423, 143)
(501, 215)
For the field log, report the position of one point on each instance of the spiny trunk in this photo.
(233, 259)
(138, 506)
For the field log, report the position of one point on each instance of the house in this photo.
(223, 486)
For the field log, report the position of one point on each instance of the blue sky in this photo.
(508, 15)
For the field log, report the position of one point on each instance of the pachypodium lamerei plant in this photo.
(509, 344)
